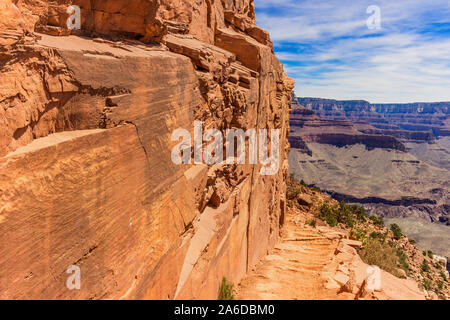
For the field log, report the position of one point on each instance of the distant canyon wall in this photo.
(399, 119)
(86, 176)
(360, 153)
(307, 126)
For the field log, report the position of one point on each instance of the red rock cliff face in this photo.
(86, 176)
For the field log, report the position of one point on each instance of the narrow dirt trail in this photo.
(296, 269)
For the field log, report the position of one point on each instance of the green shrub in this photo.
(440, 284)
(226, 290)
(328, 215)
(412, 241)
(346, 214)
(359, 235)
(403, 260)
(311, 222)
(443, 276)
(341, 213)
(430, 254)
(381, 255)
(359, 213)
(424, 253)
(375, 235)
(396, 231)
(379, 221)
(427, 284)
(293, 188)
(425, 266)
(385, 236)
(379, 236)
(348, 221)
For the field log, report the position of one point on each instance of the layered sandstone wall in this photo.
(306, 127)
(86, 119)
(427, 119)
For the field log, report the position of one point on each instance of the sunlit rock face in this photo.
(86, 176)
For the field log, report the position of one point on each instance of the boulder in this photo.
(12, 25)
(304, 200)
(352, 243)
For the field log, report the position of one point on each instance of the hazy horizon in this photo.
(342, 100)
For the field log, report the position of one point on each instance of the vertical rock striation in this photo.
(86, 119)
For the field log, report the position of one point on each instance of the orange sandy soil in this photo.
(296, 269)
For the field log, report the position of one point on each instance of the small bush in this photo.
(396, 231)
(348, 221)
(385, 236)
(412, 241)
(226, 290)
(403, 260)
(375, 235)
(440, 284)
(425, 266)
(342, 213)
(293, 188)
(345, 214)
(359, 235)
(430, 254)
(443, 275)
(311, 222)
(377, 221)
(381, 255)
(359, 212)
(424, 253)
(328, 215)
(427, 284)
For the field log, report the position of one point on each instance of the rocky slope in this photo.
(86, 175)
(427, 235)
(317, 261)
(407, 182)
(319, 264)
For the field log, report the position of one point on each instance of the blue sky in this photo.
(327, 47)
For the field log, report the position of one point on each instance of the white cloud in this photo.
(328, 49)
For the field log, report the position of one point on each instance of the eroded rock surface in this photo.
(86, 176)
(320, 264)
